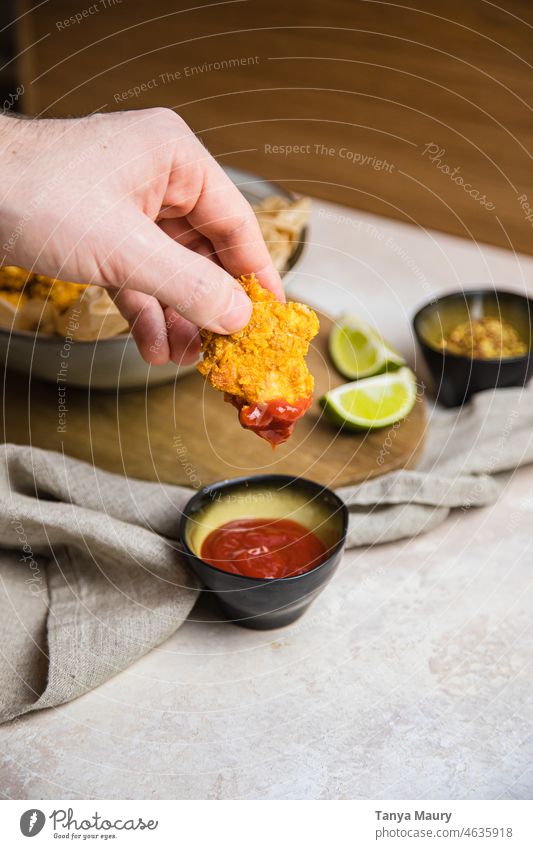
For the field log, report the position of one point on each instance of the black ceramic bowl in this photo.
(257, 602)
(456, 377)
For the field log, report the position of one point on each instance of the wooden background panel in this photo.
(374, 80)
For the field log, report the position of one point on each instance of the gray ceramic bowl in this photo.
(115, 362)
(456, 378)
(107, 364)
(263, 603)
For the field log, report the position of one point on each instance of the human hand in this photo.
(133, 202)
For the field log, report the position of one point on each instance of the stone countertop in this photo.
(408, 678)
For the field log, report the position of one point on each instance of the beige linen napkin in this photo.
(91, 578)
(465, 455)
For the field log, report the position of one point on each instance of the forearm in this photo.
(20, 143)
(42, 186)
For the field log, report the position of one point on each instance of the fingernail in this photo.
(238, 313)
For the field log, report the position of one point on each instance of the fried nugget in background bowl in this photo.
(261, 368)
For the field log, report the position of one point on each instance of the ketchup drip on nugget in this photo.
(273, 421)
(261, 369)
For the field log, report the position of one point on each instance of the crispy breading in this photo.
(14, 279)
(264, 361)
(33, 302)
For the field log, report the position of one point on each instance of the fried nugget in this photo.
(261, 368)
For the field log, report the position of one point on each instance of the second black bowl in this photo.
(258, 602)
(457, 377)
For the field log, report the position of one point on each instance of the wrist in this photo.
(17, 151)
(13, 132)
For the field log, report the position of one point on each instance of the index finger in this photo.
(223, 215)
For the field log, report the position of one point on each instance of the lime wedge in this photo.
(357, 350)
(373, 402)
(392, 355)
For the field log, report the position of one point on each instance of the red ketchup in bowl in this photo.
(263, 548)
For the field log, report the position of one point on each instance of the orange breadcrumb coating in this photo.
(264, 361)
(18, 285)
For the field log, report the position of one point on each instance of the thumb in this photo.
(201, 291)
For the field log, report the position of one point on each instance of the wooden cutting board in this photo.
(184, 433)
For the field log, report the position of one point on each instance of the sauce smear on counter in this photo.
(263, 548)
(271, 420)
